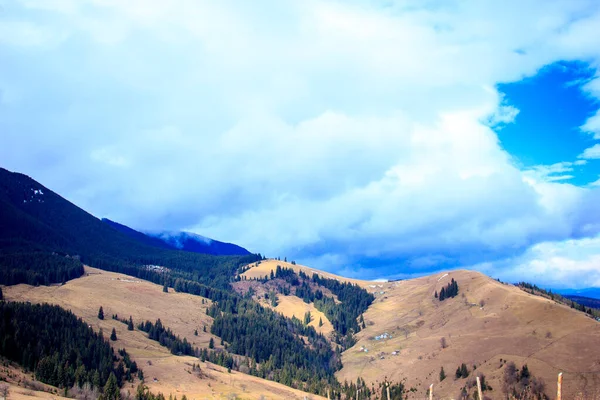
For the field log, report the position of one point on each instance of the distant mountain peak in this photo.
(194, 242)
(177, 238)
(186, 241)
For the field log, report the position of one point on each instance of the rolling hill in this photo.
(488, 325)
(183, 313)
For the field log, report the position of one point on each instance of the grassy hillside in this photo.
(486, 325)
(183, 313)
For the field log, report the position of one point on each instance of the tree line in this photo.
(534, 289)
(57, 346)
(38, 268)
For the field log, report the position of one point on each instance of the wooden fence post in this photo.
(559, 387)
(479, 389)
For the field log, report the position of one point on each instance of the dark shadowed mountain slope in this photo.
(34, 219)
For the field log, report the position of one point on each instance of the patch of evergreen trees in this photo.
(451, 290)
(461, 372)
(54, 344)
(167, 338)
(38, 268)
(273, 341)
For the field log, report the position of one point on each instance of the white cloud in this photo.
(595, 183)
(572, 263)
(591, 152)
(551, 173)
(504, 115)
(329, 131)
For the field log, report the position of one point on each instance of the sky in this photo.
(374, 139)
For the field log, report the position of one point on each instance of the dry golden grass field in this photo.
(294, 306)
(511, 324)
(183, 313)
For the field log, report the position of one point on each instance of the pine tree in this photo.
(320, 322)
(211, 344)
(113, 335)
(307, 318)
(96, 379)
(464, 372)
(165, 288)
(442, 374)
(100, 313)
(111, 389)
(130, 324)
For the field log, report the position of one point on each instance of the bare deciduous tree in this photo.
(4, 390)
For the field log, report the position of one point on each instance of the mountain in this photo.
(40, 229)
(139, 236)
(198, 244)
(586, 301)
(185, 241)
(587, 292)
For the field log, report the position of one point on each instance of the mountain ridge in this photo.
(180, 240)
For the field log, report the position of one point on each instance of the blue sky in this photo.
(372, 139)
(552, 108)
